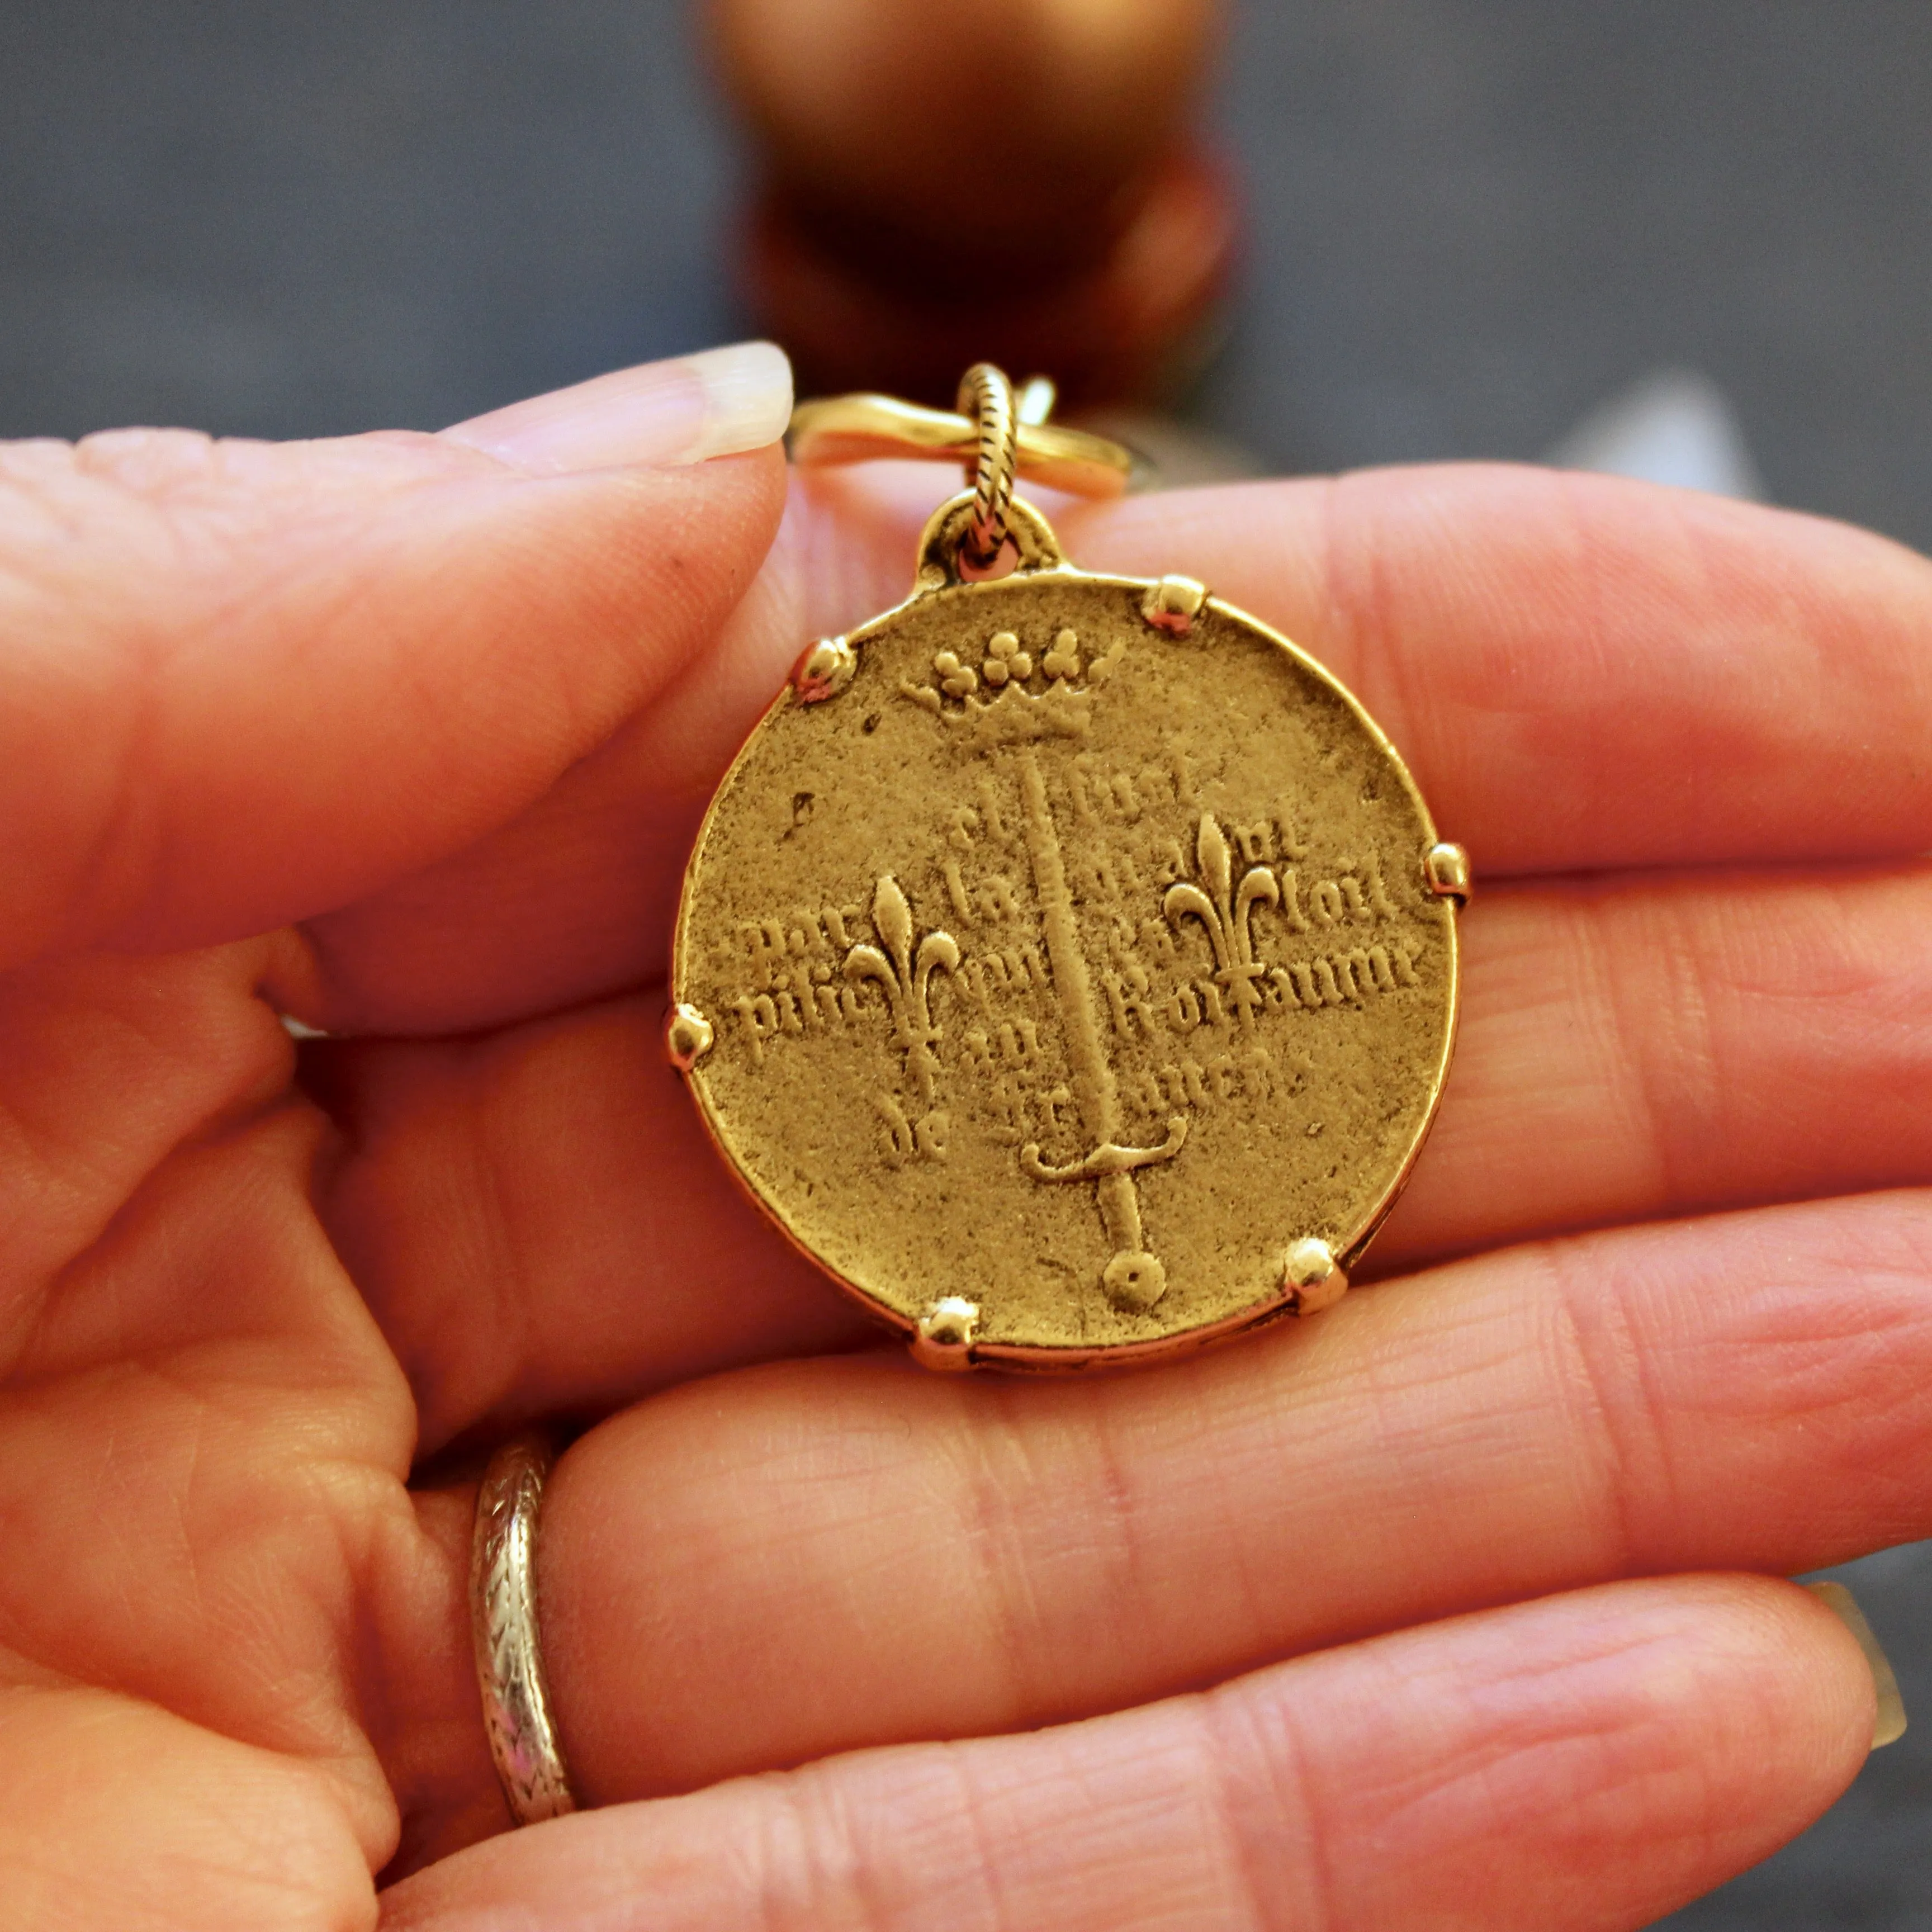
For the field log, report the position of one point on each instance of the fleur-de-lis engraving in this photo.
(904, 974)
(1226, 916)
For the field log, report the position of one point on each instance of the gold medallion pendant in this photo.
(1068, 963)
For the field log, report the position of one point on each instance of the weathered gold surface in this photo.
(1079, 982)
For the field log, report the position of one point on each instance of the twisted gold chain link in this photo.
(986, 397)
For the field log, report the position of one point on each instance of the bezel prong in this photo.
(1171, 604)
(688, 1037)
(1313, 1278)
(824, 669)
(943, 1335)
(1446, 867)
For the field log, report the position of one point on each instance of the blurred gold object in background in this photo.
(1019, 177)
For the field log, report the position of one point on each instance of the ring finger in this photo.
(785, 1562)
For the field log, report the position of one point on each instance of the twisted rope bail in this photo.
(987, 397)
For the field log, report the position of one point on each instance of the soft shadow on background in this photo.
(1470, 223)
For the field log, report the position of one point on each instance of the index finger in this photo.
(1581, 672)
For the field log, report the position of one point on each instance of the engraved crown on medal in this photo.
(1006, 675)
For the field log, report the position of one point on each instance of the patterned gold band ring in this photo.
(503, 1622)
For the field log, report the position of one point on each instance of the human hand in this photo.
(395, 737)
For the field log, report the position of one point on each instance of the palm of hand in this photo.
(243, 1295)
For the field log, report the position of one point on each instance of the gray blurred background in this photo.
(1472, 223)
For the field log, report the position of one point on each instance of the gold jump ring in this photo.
(868, 429)
(986, 397)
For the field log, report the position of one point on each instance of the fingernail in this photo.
(1889, 1725)
(714, 404)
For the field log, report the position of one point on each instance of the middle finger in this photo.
(540, 1225)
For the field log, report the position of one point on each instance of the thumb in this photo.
(242, 683)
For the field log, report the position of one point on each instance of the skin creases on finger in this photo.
(802, 1558)
(1647, 1046)
(540, 1223)
(121, 1816)
(1586, 1762)
(108, 1064)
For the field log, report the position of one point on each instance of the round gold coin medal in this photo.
(1068, 963)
